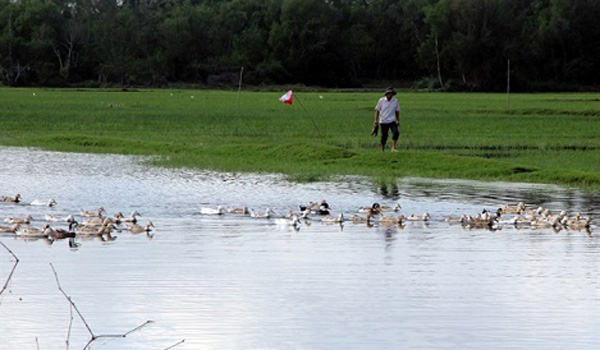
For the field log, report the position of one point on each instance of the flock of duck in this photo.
(93, 223)
(519, 216)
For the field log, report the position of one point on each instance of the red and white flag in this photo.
(287, 98)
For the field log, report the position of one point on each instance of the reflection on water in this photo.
(232, 282)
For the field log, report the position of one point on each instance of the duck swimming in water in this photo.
(220, 210)
(15, 199)
(48, 203)
(264, 215)
(135, 228)
(93, 214)
(14, 220)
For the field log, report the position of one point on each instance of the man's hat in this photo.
(390, 90)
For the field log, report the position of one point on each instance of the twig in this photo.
(37, 343)
(11, 271)
(176, 344)
(72, 303)
(124, 334)
(93, 337)
(70, 326)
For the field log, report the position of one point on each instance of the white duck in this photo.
(262, 215)
(48, 203)
(220, 210)
(424, 217)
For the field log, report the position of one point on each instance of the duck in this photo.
(324, 209)
(356, 219)
(240, 211)
(59, 233)
(317, 209)
(424, 217)
(15, 199)
(456, 220)
(98, 222)
(15, 220)
(515, 220)
(30, 231)
(9, 229)
(52, 218)
(392, 220)
(542, 223)
(579, 224)
(375, 209)
(331, 219)
(396, 208)
(135, 228)
(513, 209)
(94, 231)
(293, 221)
(481, 222)
(93, 214)
(265, 215)
(119, 217)
(49, 203)
(220, 210)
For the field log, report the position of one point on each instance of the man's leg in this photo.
(385, 129)
(395, 136)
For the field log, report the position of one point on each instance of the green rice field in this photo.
(541, 138)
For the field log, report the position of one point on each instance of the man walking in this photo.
(387, 115)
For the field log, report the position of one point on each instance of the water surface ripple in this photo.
(239, 283)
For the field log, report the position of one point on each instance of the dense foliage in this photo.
(449, 43)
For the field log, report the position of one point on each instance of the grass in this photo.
(546, 138)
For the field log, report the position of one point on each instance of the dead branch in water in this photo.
(11, 271)
(70, 325)
(93, 336)
(176, 344)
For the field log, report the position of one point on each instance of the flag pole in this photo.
(309, 117)
(240, 88)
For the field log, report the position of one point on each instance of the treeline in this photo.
(462, 44)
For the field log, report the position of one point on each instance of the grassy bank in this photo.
(548, 138)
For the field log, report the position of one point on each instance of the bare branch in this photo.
(93, 337)
(72, 303)
(70, 326)
(11, 271)
(176, 344)
(125, 334)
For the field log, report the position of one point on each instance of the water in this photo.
(240, 283)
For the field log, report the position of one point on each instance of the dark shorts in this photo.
(385, 129)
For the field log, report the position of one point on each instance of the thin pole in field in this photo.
(309, 117)
(508, 86)
(240, 87)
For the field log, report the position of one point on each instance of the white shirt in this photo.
(387, 110)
